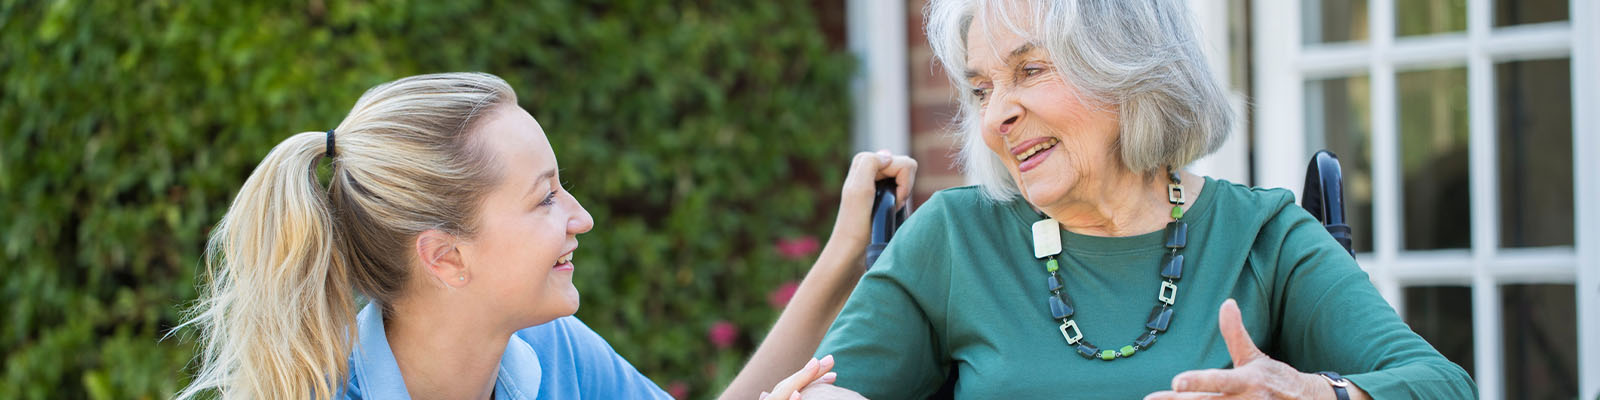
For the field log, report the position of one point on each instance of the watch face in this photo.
(1334, 379)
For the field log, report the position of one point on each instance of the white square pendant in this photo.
(1046, 238)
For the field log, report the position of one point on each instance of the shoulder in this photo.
(1281, 233)
(1261, 213)
(1274, 209)
(576, 361)
(1234, 198)
(967, 206)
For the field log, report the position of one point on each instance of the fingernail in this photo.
(794, 396)
(811, 364)
(827, 360)
(830, 377)
(763, 396)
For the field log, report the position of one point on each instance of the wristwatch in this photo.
(1339, 384)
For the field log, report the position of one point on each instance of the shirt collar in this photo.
(376, 375)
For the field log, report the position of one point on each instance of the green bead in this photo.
(1127, 351)
(1108, 355)
(1051, 265)
(1177, 212)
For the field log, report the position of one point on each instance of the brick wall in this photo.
(932, 104)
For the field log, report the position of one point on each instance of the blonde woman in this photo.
(445, 210)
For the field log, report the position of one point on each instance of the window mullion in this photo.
(1482, 169)
(1585, 19)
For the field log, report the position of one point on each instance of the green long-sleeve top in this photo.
(959, 295)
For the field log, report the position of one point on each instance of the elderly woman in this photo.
(1087, 262)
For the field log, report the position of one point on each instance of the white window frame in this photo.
(1282, 66)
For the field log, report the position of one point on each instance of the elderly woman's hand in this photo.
(854, 224)
(1254, 375)
(827, 391)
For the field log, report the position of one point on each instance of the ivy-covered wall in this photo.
(707, 138)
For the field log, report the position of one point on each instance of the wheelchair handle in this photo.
(885, 219)
(1324, 196)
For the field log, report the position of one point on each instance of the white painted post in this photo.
(877, 37)
(1279, 122)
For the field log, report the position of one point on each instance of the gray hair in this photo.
(1142, 56)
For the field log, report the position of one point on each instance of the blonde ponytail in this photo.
(278, 299)
(277, 309)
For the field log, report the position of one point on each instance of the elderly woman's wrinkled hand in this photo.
(815, 372)
(1254, 375)
(827, 391)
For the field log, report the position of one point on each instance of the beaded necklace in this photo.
(1047, 246)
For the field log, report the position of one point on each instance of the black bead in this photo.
(1159, 318)
(1172, 266)
(1055, 284)
(1177, 234)
(1146, 340)
(1059, 309)
(1088, 351)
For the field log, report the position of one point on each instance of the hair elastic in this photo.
(329, 154)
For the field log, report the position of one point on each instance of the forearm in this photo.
(793, 339)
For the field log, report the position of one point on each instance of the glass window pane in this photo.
(1443, 316)
(1513, 12)
(1328, 21)
(1535, 152)
(1540, 332)
(1432, 115)
(1338, 118)
(1424, 17)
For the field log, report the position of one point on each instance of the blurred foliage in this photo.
(698, 134)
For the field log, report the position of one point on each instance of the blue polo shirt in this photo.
(561, 359)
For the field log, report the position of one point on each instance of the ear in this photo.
(440, 258)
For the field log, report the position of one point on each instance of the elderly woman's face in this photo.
(1049, 139)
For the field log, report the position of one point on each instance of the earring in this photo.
(461, 277)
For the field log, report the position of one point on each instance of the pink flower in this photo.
(780, 296)
(797, 248)
(723, 334)
(678, 390)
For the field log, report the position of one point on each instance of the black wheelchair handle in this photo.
(1324, 196)
(885, 220)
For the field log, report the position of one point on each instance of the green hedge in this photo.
(698, 133)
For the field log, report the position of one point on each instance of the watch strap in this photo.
(1338, 383)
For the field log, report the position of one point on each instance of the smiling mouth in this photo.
(1036, 149)
(565, 261)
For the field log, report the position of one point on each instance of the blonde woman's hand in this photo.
(854, 224)
(815, 372)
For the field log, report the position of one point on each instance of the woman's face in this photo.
(1049, 139)
(521, 258)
